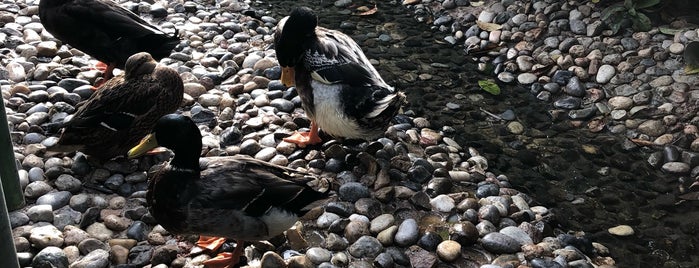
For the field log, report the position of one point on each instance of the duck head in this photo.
(294, 33)
(139, 64)
(177, 133)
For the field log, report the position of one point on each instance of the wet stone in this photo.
(407, 233)
(500, 243)
(55, 199)
(50, 257)
(366, 247)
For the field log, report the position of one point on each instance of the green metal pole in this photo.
(8, 254)
(13, 197)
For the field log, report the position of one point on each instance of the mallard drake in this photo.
(104, 30)
(125, 109)
(340, 90)
(231, 196)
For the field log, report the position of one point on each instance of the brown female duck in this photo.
(231, 197)
(104, 30)
(340, 90)
(125, 109)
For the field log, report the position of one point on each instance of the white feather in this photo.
(278, 220)
(329, 114)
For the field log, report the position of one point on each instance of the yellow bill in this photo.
(288, 76)
(147, 143)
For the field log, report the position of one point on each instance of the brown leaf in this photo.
(369, 12)
(642, 142)
(487, 26)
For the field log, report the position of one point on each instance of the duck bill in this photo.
(288, 76)
(147, 143)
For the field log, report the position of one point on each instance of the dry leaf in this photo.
(642, 142)
(487, 26)
(369, 12)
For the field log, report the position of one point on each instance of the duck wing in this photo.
(334, 58)
(252, 186)
(115, 107)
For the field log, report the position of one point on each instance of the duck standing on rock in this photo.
(231, 196)
(125, 109)
(104, 30)
(340, 90)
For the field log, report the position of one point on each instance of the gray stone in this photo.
(366, 247)
(407, 233)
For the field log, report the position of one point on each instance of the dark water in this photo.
(589, 181)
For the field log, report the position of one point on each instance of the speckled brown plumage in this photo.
(123, 110)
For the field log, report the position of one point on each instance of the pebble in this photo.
(365, 247)
(50, 257)
(46, 236)
(407, 233)
(449, 250)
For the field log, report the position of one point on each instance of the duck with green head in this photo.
(234, 197)
(341, 92)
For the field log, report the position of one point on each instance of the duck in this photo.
(221, 197)
(341, 92)
(125, 109)
(104, 30)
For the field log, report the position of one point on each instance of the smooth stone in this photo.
(407, 233)
(517, 234)
(366, 247)
(382, 222)
(449, 250)
(46, 236)
(318, 255)
(621, 230)
(39, 213)
(605, 73)
(55, 199)
(500, 243)
(52, 257)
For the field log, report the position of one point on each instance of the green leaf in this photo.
(641, 22)
(641, 4)
(611, 12)
(668, 30)
(489, 87)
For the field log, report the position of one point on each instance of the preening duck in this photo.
(341, 92)
(104, 30)
(231, 197)
(116, 117)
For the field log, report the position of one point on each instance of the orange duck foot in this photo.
(226, 259)
(211, 243)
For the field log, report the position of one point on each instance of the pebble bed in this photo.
(415, 197)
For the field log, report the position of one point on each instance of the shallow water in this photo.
(588, 179)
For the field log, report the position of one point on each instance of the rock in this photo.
(407, 233)
(605, 73)
(46, 236)
(55, 199)
(319, 255)
(50, 257)
(272, 260)
(500, 243)
(380, 223)
(39, 213)
(164, 255)
(97, 258)
(621, 230)
(420, 257)
(366, 247)
(449, 250)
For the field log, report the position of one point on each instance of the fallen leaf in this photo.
(487, 26)
(642, 142)
(369, 12)
(489, 87)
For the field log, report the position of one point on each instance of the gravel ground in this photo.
(415, 197)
